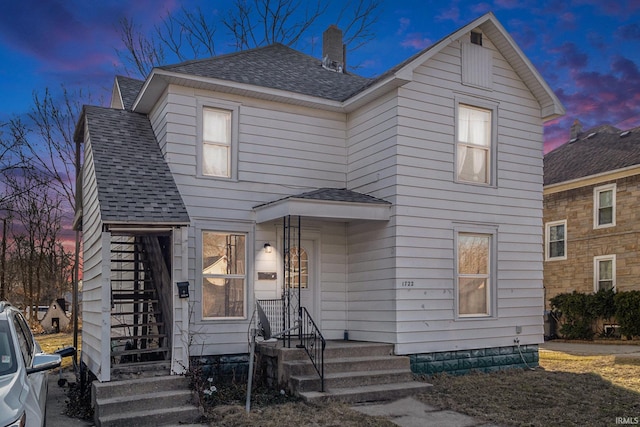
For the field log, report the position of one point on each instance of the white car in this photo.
(23, 372)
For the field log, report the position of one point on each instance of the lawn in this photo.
(53, 342)
(565, 390)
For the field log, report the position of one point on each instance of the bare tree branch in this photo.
(140, 52)
(360, 22)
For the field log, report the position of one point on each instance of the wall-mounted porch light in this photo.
(267, 248)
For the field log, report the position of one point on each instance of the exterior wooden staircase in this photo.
(355, 372)
(139, 343)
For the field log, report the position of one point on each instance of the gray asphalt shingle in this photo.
(278, 67)
(600, 149)
(129, 90)
(134, 182)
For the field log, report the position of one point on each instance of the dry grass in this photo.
(567, 390)
(293, 414)
(53, 342)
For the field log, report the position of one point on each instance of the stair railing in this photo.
(313, 342)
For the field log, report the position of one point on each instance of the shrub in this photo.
(575, 312)
(628, 312)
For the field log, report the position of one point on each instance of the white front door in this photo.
(303, 278)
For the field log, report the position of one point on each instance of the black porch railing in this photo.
(309, 335)
(313, 343)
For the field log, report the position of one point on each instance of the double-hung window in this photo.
(604, 203)
(474, 144)
(223, 275)
(216, 142)
(604, 268)
(556, 240)
(475, 276)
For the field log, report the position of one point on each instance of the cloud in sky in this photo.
(585, 49)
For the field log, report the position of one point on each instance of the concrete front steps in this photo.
(355, 372)
(154, 401)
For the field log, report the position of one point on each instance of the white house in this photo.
(404, 209)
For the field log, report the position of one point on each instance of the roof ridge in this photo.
(223, 56)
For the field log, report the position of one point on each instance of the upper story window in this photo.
(216, 142)
(474, 144)
(604, 277)
(604, 206)
(556, 240)
(475, 275)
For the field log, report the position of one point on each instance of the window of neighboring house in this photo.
(474, 147)
(475, 277)
(604, 202)
(223, 275)
(604, 268)
(216, 142)
(556, 238)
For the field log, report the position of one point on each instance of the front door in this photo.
(301, 277)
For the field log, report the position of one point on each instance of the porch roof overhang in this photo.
(334, 204)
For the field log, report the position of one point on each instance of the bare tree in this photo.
(255, 23)
(190, 34)
(140, 53)
(38, 215)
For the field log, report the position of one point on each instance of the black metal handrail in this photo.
(313, 342)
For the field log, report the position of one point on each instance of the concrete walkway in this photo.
(56, 403)
(597, 348)
(409, 412)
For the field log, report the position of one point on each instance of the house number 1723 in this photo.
(407, 283)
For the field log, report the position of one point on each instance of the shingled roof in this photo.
(278, 67)
(335, 195)
(600, 149)
(135, 185)
(129, 90)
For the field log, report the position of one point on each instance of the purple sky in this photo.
(587, 50)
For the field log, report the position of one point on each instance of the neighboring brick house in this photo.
(591, 215)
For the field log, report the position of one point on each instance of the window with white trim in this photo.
(604, 272)
(604, 206)
(216, 142)
(556, 240)
(474, 136)
(224, 280)
(474, 276)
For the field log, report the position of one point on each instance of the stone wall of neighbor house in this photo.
(481, 360)
(584, 242)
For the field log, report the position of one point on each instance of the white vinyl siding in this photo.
(429, 202)
(604, 206)
(477, 66)
(556, 240)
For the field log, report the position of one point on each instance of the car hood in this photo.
(11, 398)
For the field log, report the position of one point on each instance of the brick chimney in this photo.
(333, 49)
(576, 129)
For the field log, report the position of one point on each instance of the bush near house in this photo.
(628, 313)
(583, 316)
